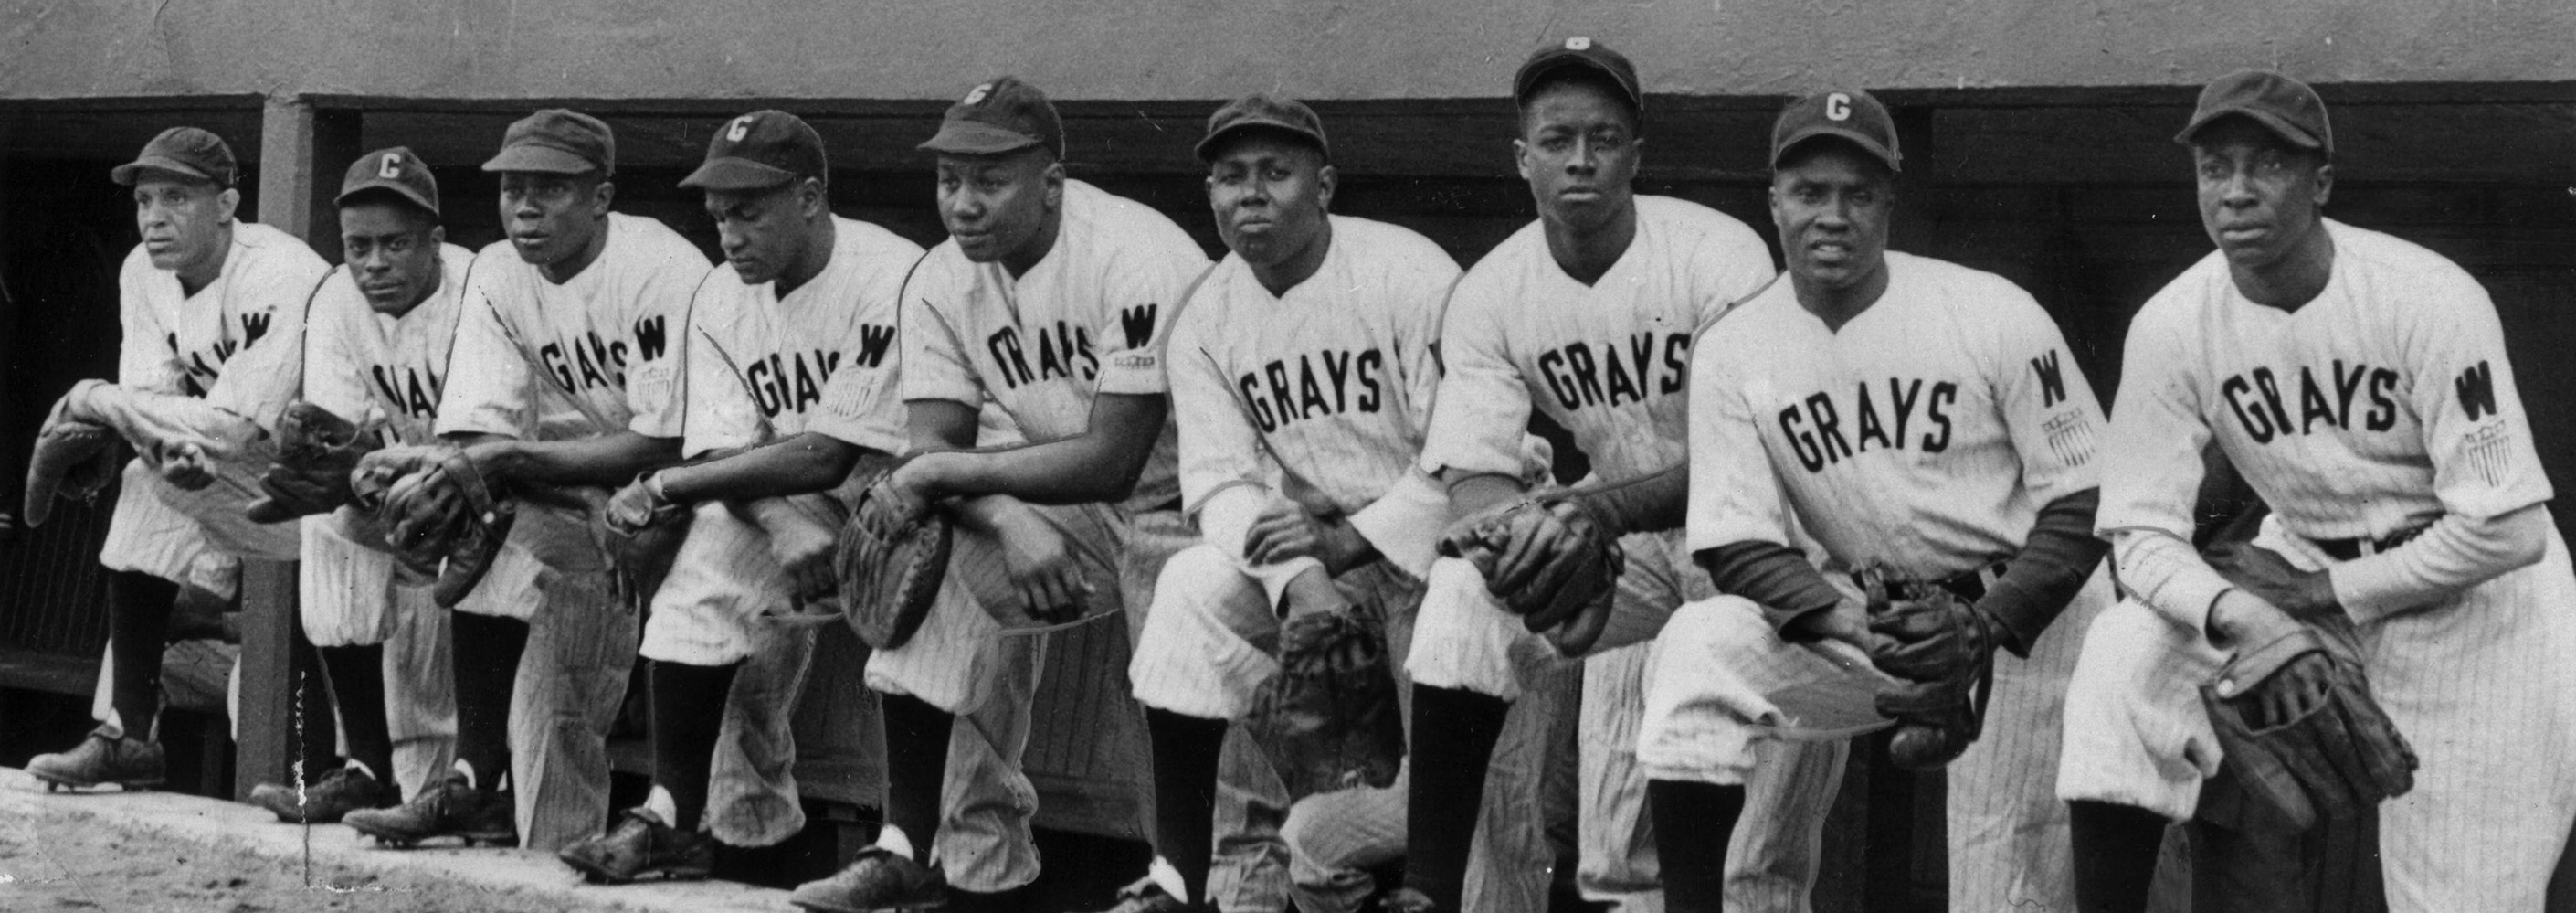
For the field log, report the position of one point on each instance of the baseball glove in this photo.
(1941, 651)
(891, 557)
(1329, 720)
(440, 515)
(316, 451)
(72, 459)
(1553, 564)
(2336, 755)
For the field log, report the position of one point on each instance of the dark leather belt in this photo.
(1968, 585)
(2349, 549)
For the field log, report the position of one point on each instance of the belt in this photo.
(1969, 585)
(2350, 549)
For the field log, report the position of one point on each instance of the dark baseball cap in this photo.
(1263, 111)
(557, 141)
(1005, 115)
(760, 150)
(184, 151)
(1845, 114)
(1579, 53)
(2282, 105)
(395, 171)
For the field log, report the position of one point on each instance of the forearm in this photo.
(609, 460)
(802, 464)
(1084, 469)
(2453, 554)
(1650, 503)
(2164, 571)
(147, 415)
(2053, 564)
(1774, 576)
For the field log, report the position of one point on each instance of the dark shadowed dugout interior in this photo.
(2079, 195)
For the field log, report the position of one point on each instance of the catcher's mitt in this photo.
(440, 516)
(892, 555)
(2335, 757)
(73, 460)
(1941, 650)
(316, 452)
(1329, 720)
(1561, 577)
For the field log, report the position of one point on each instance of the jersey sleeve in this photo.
(936, 364)
(144, 360)
(721, 411)
(658, 318)
(2151, 469)
(491, 384)
(861, 402)
(267, 373)
(2475, 429)
(1220, 447)
(334, 377)
(1735, 265)
(1482, 405)
(1734, 495)
(1417, 336)
(2047, 406)
(1144, 295)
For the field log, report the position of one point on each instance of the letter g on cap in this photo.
(1837, 106)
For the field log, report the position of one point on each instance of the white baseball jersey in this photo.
(188, 344)
(761, 366)
(1608, 361)
(379, 371)
(1091, 317)
(609, 340)
(1925, 434)
(1332, 381)
(2382, 404)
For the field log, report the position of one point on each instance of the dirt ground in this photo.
(69, 860)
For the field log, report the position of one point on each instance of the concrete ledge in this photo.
(237, 827)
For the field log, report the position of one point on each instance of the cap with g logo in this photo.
(1263, 111)
(184, 151)
(1849, 115)
(557, 141)
(1005, 115)
(394, 170)
(1579, 53)
(2285, 106)
(760, 150)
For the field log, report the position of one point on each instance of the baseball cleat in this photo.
(101, 759)
(1145, 896)
(340, 792)
(1404, 900)
(451, 809)
(640, 847)
(878, 881)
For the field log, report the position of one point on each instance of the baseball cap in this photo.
(760, 150)
(2282, 105)
(1264, 111)
(1004, 115)
(557, 141)
(396, 170)
(1851, 115)
(184, 151)
(1579, 53)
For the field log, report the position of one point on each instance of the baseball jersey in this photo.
(1608, 361)
(190, 344)
(608, 341)
(379, 371)
(2379, 406)
(1091, 317)
(1331, 382)
(1924, 434)
(761, 366)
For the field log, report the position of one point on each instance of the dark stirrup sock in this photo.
(485, 650)
(1185, 761)
(916, 738)
(2115, 855)
(138, 610)
(688, 712)
(1454, 731)
(1693, 822)
(357, 676)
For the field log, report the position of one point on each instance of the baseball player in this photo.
(1910, 415)
(376, 346)
(212, 309)
(802, 308)
(1587, 316)
(565, 373)
(1052, 300)
(2360, 385)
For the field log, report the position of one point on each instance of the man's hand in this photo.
(186, 466)
(1285, 531)
(805, 551)
(2240, 617)
(1830, 624)
(2305, 595)
(640, 505)
(1041, 567)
